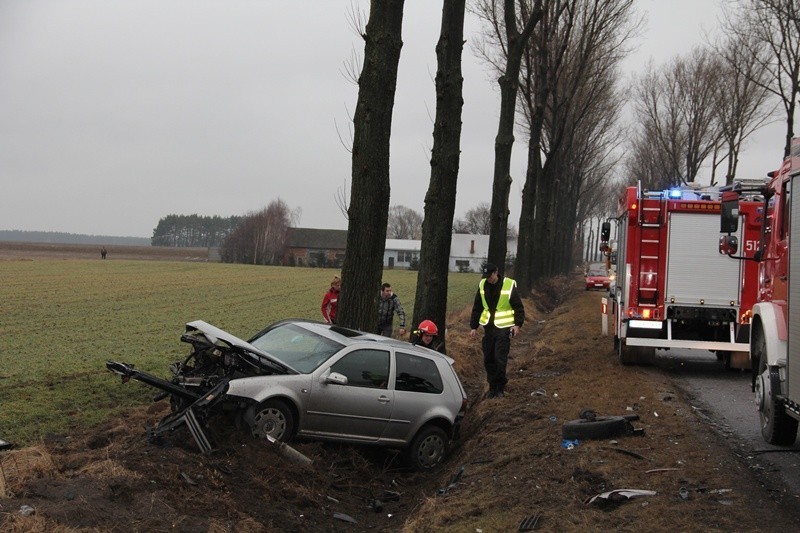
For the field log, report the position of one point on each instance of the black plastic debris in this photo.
(4, 445)
(452, 483)
(529, 523)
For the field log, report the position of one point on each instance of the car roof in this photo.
(350, 337)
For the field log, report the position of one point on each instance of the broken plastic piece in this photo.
(344, 518)
(620, 495)
(289, 452)
(570, 444)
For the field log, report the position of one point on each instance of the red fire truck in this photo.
(673, 290)
(775, 328)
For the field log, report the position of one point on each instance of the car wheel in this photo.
(275, 419)
(601, 427)
(428, 449)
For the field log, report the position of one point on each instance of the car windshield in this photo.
(596, 273)
(296, 346)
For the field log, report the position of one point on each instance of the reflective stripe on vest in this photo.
(504, 314)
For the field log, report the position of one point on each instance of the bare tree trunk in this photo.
(369, 197)
(440, 201)
(504, 141)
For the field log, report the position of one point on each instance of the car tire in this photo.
(428, 449)
(601, 427)
(275, 419)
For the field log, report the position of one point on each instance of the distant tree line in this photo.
(259, 238)
(58, 237)
(193, 230)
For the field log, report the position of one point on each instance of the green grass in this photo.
(60, 320)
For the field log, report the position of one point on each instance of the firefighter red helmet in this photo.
(427, 326)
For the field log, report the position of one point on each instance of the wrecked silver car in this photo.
(299, 378)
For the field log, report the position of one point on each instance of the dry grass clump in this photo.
(552, 292)
(19, 466)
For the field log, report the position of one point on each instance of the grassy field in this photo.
(60, 320)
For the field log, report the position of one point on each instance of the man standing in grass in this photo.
(388, 305)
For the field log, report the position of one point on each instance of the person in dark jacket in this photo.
(388, 305)
(498, 308)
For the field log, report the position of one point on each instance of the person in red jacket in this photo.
(331, 301)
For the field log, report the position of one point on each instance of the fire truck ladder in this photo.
(651, 220)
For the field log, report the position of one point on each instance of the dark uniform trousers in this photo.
(496, 344)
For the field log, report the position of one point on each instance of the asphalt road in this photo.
(725, 400)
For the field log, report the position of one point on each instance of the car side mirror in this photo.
(605, 231)
(728, 244)
(335, 378)
(729, 215)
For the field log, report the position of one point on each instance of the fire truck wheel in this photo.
(601, 427)
(777, 427)
(625, 354)
(636, 355)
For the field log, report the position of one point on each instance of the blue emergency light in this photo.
(675, 193)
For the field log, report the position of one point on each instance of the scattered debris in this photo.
(626, 452)
(224, 469)
(654, 470)
(289, 452)
(684, 493)
(188, 479)
(5, 445)
(452, 483)
(27, 510)
(344, 518)
(570, 444)
(620, 495)
(529, 523)
(592, 426)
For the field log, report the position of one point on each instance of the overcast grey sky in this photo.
(114, 114)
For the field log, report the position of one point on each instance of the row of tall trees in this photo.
(557, 63)
(698, 110)
(570, 102)
(193, 230)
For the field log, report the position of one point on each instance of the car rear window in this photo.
(417, 374)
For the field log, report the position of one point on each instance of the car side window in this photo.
(417, 374)
(364, 368)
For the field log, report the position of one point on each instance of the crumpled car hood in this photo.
(215, 334)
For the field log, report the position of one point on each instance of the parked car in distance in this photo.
(300, 378)
(597, 278)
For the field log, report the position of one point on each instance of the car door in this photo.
(358, 410)
(419, 394)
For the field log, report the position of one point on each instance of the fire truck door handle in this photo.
(783, 278)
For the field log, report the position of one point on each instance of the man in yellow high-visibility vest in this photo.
(498, 308)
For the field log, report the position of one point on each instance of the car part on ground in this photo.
(591, 426)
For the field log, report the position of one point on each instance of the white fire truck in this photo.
(775, 328)
(673, 290)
